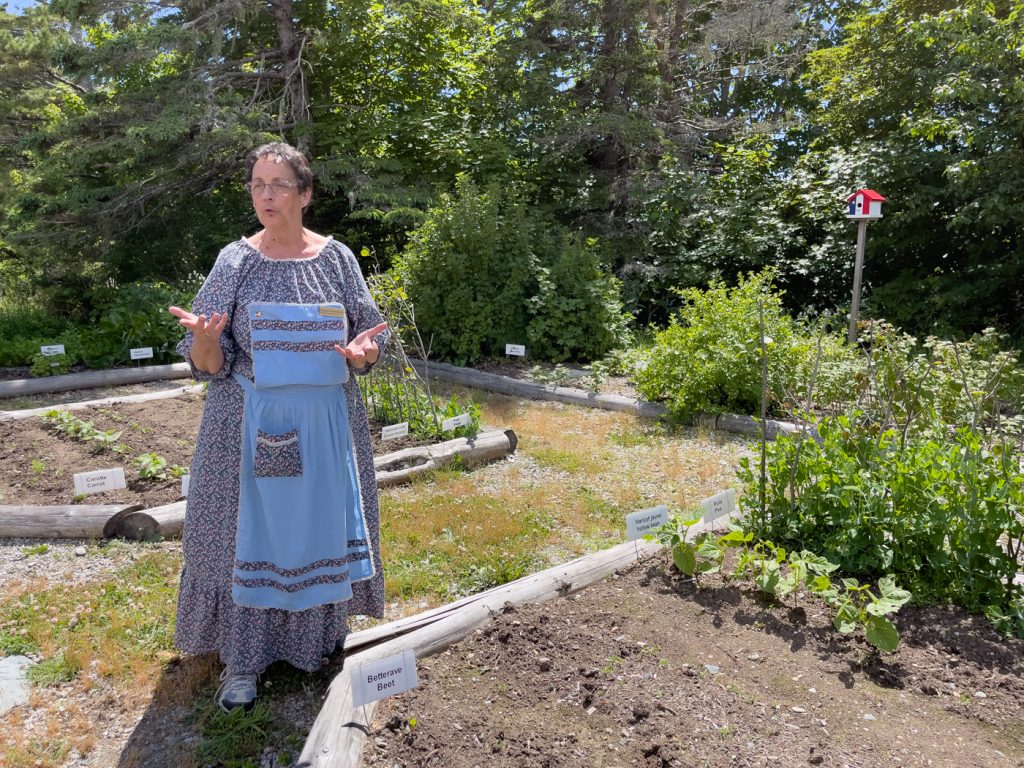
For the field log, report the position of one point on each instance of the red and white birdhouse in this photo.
(864, 204)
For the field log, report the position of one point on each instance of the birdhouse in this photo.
(865, 204)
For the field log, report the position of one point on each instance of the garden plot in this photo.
(152, 442)
(644, 669)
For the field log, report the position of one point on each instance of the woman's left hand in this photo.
(363, 349)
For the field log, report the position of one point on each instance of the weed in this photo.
(38, 549)
(56, 669)
(232, 737)
(38, 466)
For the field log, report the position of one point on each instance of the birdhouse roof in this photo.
(869, 194)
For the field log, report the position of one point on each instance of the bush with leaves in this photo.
(577, 312)
(943, 514)
(483, 272)
(709, 358)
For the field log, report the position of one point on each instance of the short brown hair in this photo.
(284, 153)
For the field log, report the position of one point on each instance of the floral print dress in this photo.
(209, 621)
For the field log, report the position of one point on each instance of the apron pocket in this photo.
(277, 455)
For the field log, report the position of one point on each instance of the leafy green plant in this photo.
(151, 466)
(558, 376)
(38, 549)
(943, 514)
(708, 359)
(856, 605)
(67, 423)
(50, 365)
(485, 270)
(701, 555)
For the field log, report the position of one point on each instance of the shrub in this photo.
(709, 358)
(577, 312)
(483, 272)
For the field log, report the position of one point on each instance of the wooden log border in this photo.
(163, 394)
(93, 379)
(339, 732)
(80, 521)
(506, 385)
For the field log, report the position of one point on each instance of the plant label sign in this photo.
(719, 505)
(380, 679)
(639, 524)
(52, 349)
(515, 350)
(395, 431)
(462, 420)
(184, 485)
(141, 353)
(99, 480)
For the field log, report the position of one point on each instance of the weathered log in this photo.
(142, 397)
(72, 521)
(402, 466)
(94, 379)
(165, 521)
(507, 385)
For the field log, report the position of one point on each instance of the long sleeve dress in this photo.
(208, 620)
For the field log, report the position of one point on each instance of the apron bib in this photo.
(301, 538)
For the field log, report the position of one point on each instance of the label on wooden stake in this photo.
(455, 422)
(141, 353)
(395, 431)
(52, 349)
(639, 524)
(99, 480)
(380, 679)
(719, 505)
(184, 485)
(516, 350)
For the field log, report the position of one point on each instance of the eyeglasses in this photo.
(280, 188)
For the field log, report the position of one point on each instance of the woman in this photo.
(282, 523)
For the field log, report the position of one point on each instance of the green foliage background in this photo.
(659, 142)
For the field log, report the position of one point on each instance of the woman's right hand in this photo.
(206, 353)
(208, 330)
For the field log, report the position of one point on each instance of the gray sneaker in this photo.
(236, 690)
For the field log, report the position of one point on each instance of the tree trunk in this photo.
(295, 102)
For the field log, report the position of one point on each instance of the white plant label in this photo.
(516, 350)
(52, 349)
(184, 485)
(141, 353)
(380, 679)
(719, 505)
(639, 524)
(395, 431)
(99, 480)
(462, 420)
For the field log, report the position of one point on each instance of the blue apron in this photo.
(301, 538)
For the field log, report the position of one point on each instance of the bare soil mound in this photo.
(644, 669)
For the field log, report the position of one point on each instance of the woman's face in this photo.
(279, 203)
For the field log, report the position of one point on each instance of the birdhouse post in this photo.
(864, 205)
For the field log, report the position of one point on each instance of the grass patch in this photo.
(38, 549)
(234, 739)
(556, 458)
(51, 671)
(116, 625)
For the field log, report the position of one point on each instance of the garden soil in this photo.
(645, 669)
(38, 462)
